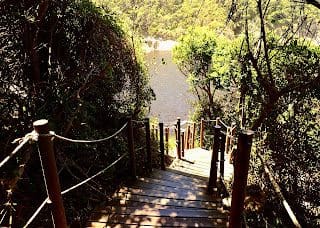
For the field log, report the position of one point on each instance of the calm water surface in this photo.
(172, 96)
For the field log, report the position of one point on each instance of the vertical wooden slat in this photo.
(214, 158)
(241, 167)
(227, 144)
(48, 162)
(201, 132)
(188, 137)
(222, 152)
(193, 134)
(167, 134)
(179, 137)
(161, 146)
(132, 156)
(148, 144)
(183, 143)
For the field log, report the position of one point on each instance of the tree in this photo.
(281, 77)
(193, 56)
(71, 63)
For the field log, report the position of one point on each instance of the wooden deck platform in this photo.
(176, 197)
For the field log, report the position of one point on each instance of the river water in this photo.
(172, 96)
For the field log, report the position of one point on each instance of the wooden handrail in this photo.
(178, 138)
(133, 170)
(241, 167)
(161, 147)
(148, 144)
(48, 162)
(214, 159)
(277, 189)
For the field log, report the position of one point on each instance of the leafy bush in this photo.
(71, 63)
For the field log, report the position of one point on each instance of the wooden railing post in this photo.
(167, 132)
(217, 120)
(178, 138)
(241, 167)
(201, 132)
(132, 157)
(227, 144)
(222, 152)
(46, 153)
(214, 159)
(162, 147)
(148, 144)
(232, 134)
(188, 137)
(152, 131)
(156, 133)
(182, 143)
(193, 134)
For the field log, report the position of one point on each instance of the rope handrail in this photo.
(72, 188)
(267, 170)
(223, 124)
(25, 140)
(33, 136)
(271, 176)
(95, 175)
(52, 133)
(35, 214)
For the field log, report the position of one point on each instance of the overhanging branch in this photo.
(315, 3)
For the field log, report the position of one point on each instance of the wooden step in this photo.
(176, 197)
(170, 195)
(162, 211)
(168, 175)
(178, 185)
(142, 184)
(115, 220)
(129, 199)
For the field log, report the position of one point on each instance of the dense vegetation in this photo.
(168, 19)
(255, 62)
(71, 63)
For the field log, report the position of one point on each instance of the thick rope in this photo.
(72, 188)
(94, 176)
(28, 137)
(223, 124)
(52, 133)
(36, 212)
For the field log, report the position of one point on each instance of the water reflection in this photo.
(170, 87)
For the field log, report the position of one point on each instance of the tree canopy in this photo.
(73, 64)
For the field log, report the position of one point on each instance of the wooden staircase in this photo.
(176, 197)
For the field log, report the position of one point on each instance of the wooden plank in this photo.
(196, 164)
(190, 172)
(127, 199)
(167, 189)
(131, 203)
(116, 220)
(164, 211)
(173, 184)
(194, 167)
(174, 198)
(170, 195)
(166, 175)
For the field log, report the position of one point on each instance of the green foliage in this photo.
(71, 63)
(168, 19)
(209, 63)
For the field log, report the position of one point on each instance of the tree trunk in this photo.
(265, 111)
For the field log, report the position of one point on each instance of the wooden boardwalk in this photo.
(176, 197)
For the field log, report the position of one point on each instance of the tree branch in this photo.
(265, 45)
(315, 3)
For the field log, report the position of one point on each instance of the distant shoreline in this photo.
(153, 44)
